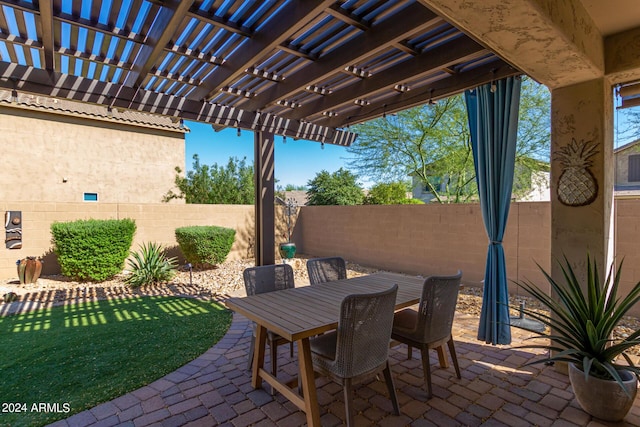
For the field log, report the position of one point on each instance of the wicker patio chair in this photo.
(268, 278)
(323, 270)
(359, 348)
(430, 326)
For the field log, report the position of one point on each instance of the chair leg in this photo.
(291, 349)
(347, 401)
(426, 368)
(409, 351)
(392, 388)
(454, 357)
(251, 350)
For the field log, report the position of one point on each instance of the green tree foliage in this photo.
(338, 188)
(215, 184)
(433, 144)
(389, 193)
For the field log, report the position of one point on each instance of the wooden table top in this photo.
(309, 310)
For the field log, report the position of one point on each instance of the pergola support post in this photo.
(265, 201)
(582, 208)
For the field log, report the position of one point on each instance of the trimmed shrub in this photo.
(150, 265)
(205, 245)
(92, 249)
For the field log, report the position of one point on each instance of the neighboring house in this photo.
(627, 170)
(538, 187)
(298, 197)
(63, 151)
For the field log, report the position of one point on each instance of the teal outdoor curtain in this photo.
(493, 124)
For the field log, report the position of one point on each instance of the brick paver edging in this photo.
(196, 391)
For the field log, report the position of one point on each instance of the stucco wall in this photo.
(622, 165)
(155, 222)
(418, 239)
(121, 163)
(426, 239)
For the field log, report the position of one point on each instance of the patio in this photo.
(495, 390)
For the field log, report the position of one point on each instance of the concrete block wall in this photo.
(415, 239)
(426, 239)
(155, 222)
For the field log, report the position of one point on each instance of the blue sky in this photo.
(296, 162)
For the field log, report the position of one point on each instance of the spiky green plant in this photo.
(150, 265)
(582, 324)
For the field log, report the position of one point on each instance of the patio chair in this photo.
(430, 326)
(323, 270)
(268, 278)
(359, 348)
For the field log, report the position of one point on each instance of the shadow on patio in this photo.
(495, 390)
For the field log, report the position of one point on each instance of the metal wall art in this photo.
(13, 229)
(576, 185)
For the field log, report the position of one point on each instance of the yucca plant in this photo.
(150, 265)
(582, 324)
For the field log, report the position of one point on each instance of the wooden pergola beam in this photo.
(494, 70)
(81, 89)
(291, 18)
(164, 27)
(422, 65)
(412, 19)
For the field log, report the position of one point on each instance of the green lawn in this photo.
(74, 357)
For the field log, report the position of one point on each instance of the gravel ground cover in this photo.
(220, 282)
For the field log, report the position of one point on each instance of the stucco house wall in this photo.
(622, 164)
(59, 155)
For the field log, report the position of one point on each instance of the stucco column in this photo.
(582, 175)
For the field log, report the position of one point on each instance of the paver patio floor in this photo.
(495, 390)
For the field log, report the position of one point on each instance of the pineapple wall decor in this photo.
(577, 186)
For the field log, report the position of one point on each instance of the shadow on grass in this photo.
(76, 356)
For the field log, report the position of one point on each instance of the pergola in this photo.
(309, 69)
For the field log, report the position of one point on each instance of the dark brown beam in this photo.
(58, 85)
(411, 19)
(218, 22)
(341, 14)
(296, 52)
(177, 77)
(460, 50)
(494, 70)
(164, 27)
(114, 62)
(17, 40)
(46, 20)
(291, 18)
(264, 165)
(194, 54)
(77, 21)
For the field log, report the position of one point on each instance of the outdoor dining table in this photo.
(303, 312)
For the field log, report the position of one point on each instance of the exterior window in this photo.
(90, 197)
(634, 168)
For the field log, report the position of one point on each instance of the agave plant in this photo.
(582, 324)
(150, 265)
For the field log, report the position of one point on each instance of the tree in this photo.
(215, 184)
(432, 144)
(338, 188)
(389, 193)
